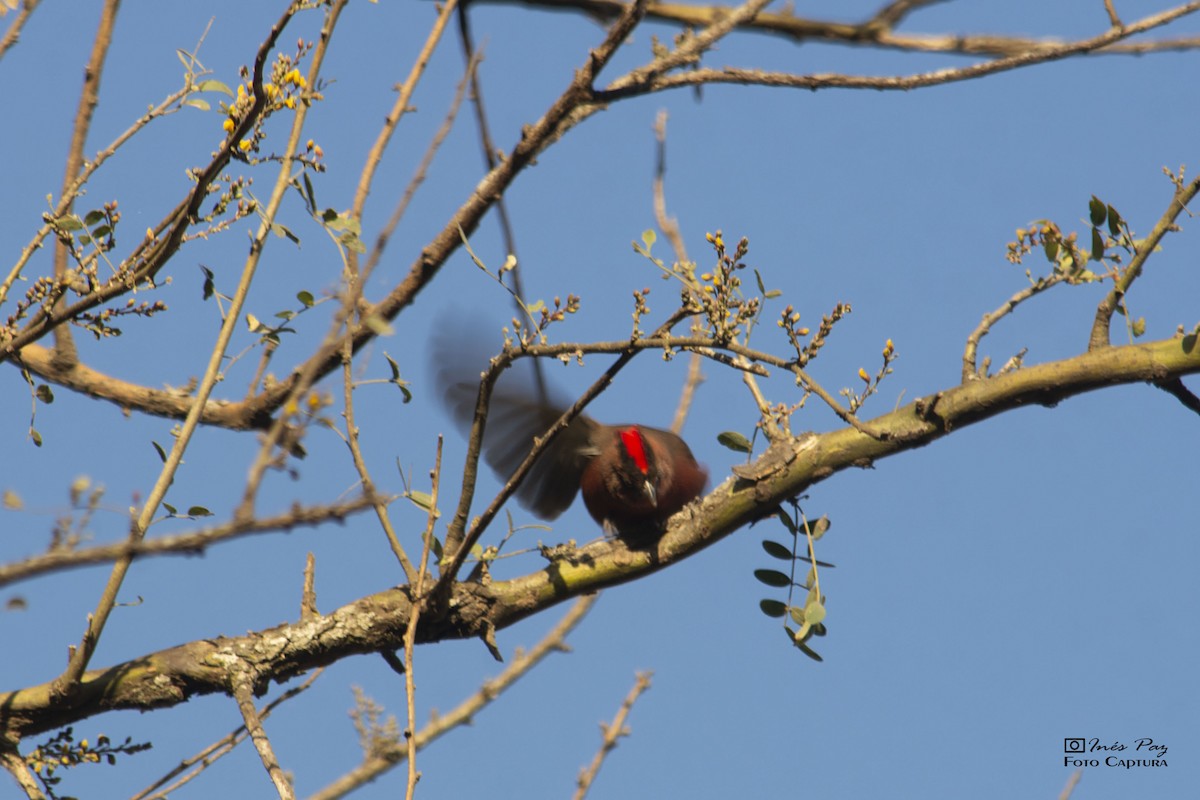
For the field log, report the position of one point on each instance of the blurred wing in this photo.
(514, 419)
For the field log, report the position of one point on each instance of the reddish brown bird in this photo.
(632, 477)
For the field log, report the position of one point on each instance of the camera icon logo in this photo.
(1074, 745)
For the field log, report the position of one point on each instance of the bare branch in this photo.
(13, 34)
(472, 610)
(376, 764)
(244, 695)
(420, 599)
(89, 98)
(969, 370)
(641, 85)
(612, 733)
(162, 788)
(874, 32)
(180, 544)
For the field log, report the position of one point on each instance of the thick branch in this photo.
(378, 621)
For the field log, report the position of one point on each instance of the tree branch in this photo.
(378, 621)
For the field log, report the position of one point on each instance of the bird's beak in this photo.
(648, 488)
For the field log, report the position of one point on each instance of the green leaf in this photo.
(310, 194)
(649, 237)
(35, 436)
(1097, 244)
(772, 577)
(395, 367)
(213, 85)
(170, 509)
(814, 613)
(196, 102)
(305, 298)
(68, 222)
(1138, 327)
(818, 528)
(1114, 221)
(199, 511)
(209, 287)
(92, 217)
(772, 608)
(808, 651)
(421, 500)
(161, 453)
(253, 323)
(787, 521)
(44, 394)
(776, 550)
(1097, 210)
(734, 441)
(285, 232)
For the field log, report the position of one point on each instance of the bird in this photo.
(633, 477)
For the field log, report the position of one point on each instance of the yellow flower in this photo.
(244, 145)
(862, 373)
(227, 125)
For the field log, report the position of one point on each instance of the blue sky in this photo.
(1017, 583)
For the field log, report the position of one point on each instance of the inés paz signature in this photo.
(632, 477)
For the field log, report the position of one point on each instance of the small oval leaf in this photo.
(734, 441)
(772, 608)
(772, 577)
(776, 550)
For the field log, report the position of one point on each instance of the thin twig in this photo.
(191, 767)
(487, 146)
(636, 84)
(364, 474)
(519, 665)
(14, 31)
(244, 694)
(1072, 782)
(670, 228)
(419, 599)
(857, 34)
(612, 732)
(306, 377)
(1112, 13)
(1183, 194)
(308, 597)
(969, 369)
(180, 544)
(89, 98)
(399, 109)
